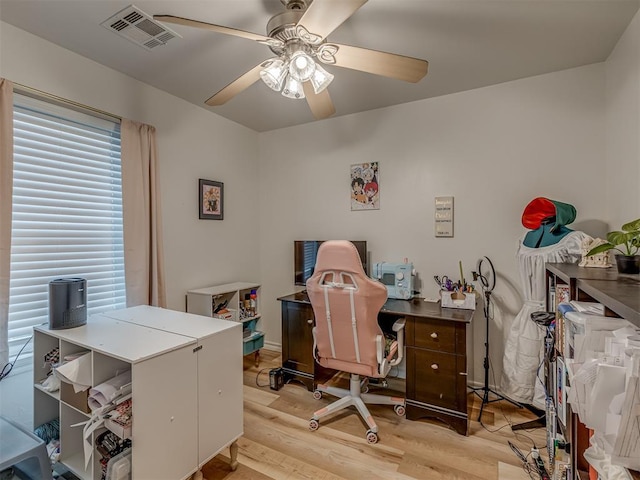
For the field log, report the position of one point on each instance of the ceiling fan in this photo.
(297, 37)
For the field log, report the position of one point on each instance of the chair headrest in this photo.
(339, 255)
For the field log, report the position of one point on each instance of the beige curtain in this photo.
(6, 191)
(143, 252)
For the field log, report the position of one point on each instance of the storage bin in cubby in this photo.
(253, 342)
(78, 400)
(250, 325)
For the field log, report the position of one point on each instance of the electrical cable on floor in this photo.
(6, 370)
(529, 467)
(258, 375)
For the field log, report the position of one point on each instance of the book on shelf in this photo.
(561, 392)
(562, 295)
(119, 420)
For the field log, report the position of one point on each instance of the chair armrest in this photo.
(380, 343)
(399, 324)
(398, 327)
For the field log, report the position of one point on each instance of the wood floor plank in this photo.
(278, 445)
(278, 465)
(255, 395)
(419, 467)
(219, 469)
(332, 450)
(510, 472)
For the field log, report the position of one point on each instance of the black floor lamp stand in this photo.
(488, 283)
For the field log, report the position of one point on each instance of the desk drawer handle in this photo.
(310, 321)
(434, 335)
(434, 366)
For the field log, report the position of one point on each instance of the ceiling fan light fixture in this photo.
(274, 74)
(301, 66)
(293, 88)
(320, 79)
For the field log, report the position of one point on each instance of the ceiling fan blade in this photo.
(321, 105)
(324, 16)
(210, 26)
(238, 85)
(389, 65)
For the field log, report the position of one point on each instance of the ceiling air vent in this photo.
(140, 28)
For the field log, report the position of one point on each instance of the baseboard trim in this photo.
(275, 347)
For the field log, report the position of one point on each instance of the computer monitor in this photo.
(304, 258)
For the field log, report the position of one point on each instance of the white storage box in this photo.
(449, 300)
(585, 334)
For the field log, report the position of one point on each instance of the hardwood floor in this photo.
(277, 443)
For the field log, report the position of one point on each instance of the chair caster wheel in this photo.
(313, 425)
(400, 410)
(372, 437)
(317, 394)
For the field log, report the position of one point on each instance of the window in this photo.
(67, 212)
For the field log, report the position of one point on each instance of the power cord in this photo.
(534, 468)
(258, 376)
(6, 370)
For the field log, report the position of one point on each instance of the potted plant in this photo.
(627, 242)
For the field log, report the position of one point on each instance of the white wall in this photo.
(622, 70)
(193, 143)
(494, 149)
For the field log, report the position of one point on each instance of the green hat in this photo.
(540, 209)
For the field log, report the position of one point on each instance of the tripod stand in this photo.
(488, 284)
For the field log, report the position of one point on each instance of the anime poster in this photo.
(365, 186)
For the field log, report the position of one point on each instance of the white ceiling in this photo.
(468, 44)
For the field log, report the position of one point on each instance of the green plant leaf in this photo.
(632, 226)
(600, 248)
(617, 237)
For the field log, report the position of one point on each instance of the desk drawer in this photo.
(437, 378)
(435, 334)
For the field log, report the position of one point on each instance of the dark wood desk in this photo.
(619, 293)
(436, 354)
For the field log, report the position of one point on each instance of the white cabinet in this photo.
(175, 366)
(219, 372)
(242, 299)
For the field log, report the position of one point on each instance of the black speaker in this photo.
(67, 303)
(276, 378)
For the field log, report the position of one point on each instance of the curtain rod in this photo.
(35, 92)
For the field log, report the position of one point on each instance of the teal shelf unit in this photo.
(238, 302)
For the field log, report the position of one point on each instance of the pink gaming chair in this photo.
(346, 334)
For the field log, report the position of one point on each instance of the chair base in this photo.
(355, 397)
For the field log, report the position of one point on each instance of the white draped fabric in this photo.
(523, 351)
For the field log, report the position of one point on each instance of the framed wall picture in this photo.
(444, 217)
(365, 186)
(211, 200)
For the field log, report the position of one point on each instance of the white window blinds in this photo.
(67, 212)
